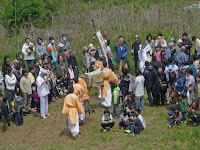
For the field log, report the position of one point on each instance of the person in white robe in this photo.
(43, 91)
(143, 57)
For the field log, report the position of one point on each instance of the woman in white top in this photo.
(10, 81)
(43, 91)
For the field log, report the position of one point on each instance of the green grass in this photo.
(53, 133)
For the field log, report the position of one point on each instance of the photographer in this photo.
(43, 91)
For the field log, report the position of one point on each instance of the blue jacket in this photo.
(53, 61)
(194, 70)
(180, 84)
(120, 53)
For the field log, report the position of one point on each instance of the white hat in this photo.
(85, 48)
(90, 45)
(171, 44)
(60, 45)
(43, 71)
(137, 36)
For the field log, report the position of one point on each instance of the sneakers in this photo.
(74, 136)
(132, 134)
(169, 126)
(122, 128)
(44, 117)
(47, 114)
(127, 131)
(195, 124)
(179, 126)
(104, 130)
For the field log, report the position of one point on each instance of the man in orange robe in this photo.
(79, 91)
(109, 77)
(72, 107)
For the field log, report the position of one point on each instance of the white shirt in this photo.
(10, 82)
(42, 90)
(142, 120)
(139, 86)
(24, 49)
(142, 53)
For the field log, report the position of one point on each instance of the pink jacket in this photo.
(158, 55)
(36, 98)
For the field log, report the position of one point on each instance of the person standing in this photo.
(43, 91)
(143, 57)
(66, 44)
(181, 58)
(139, 90)
(10, 81)
(109, 77)
(25, 86)
(86, 60)
(121, 55)
(73, 109)
(187, 43)
(135, 48)
(149, 75)
(197, 45)
(179, 45)
(161, 41)
(149, 40)
(106, 38)
(52, 45)
(6, 65)
(28, 50)
(40, 48)
(159, 87)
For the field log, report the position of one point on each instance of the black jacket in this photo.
(124, 85)
(149, 75)
(135, 48)
(172, 78)
(72, 60)
(189, 43)
(157, 83)
(156, 64)
(5, 67)
(110, 64)
(4, 110)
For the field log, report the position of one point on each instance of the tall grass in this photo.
(127, 18)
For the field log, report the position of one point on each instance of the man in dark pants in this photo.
(149, 75)
(5, 113)
(187, 43)
(135, 48)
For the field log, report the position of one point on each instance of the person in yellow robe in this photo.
(79, 91)
(84, 85)
(109, 77)
(72, 108)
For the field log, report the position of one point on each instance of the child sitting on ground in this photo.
(138, 112)
(129, 101)
(183, 107)
(116, 112)
(107, 120)
(5, 113)
(135, 125)
(18, 108)
(173, 102)
(123, 121)
(175, 118)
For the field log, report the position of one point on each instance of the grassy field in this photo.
(53, 133)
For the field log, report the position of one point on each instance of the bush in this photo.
(35, 12)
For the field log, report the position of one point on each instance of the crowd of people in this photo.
(167, 71)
